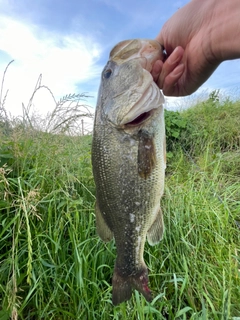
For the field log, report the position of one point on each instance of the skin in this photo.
(197, 38)
(129, 160)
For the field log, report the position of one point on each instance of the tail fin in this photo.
(123, 286)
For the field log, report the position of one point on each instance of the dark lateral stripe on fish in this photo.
(146, 155)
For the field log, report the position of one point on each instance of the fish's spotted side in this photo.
(128, 160)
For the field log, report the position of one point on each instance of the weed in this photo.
(53, 265)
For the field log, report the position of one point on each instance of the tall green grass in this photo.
(54, 266)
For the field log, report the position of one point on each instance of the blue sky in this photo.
(68, 42)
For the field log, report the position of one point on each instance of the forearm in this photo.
(224, 29)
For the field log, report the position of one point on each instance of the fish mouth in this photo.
(139, 119)
(144, 108)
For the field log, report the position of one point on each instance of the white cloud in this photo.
(64, 62)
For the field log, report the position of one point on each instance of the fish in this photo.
(129, 161)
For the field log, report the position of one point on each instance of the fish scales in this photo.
(128, 159)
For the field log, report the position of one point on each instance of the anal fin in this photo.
(103, 230)
(155, 232)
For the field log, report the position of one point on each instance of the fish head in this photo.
(128, 95)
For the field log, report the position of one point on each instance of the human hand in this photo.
(188, 39)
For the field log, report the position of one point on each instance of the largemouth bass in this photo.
(129, 160)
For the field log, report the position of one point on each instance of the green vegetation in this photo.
(54, 266)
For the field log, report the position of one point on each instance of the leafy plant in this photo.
(175, 124)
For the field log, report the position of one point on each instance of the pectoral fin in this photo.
(155, 232)
(102, 228)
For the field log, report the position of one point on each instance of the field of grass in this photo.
(54, 266)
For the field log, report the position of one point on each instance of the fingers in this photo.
(169, 86)
(156, 70)
(169, 65)
(167, 74)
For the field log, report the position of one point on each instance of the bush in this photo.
(175, 125)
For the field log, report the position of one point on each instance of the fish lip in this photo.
(149, 101)
(143, 117)
(147, 112)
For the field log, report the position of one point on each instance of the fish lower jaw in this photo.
(140, 119)
(145, 107)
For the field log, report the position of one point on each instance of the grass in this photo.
(53, 265)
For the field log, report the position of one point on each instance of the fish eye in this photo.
(107, 73)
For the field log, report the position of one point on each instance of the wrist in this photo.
(224, 32)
